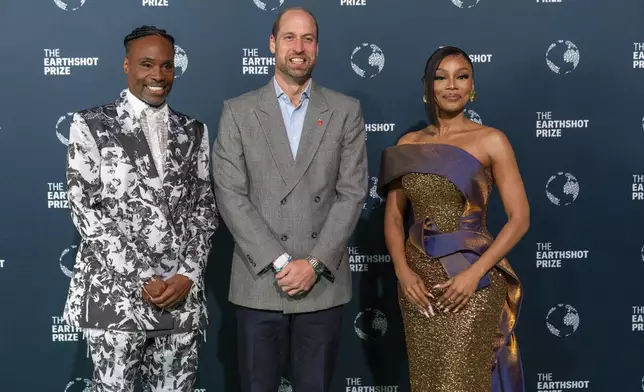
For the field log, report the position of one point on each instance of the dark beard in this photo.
(300, 79)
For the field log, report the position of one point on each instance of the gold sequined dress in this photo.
(473, 350)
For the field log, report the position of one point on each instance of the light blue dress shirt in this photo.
(293, 116)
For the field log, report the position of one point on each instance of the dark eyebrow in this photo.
(460, 69)
(304, 35)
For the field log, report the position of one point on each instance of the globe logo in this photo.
(562, 57)
(472, 115)
(562, 189)
(465, 3)
(270, 5)
(79, 385)
(642, 253)
(562, 320)
(67, 260)
(367, 60)
(370, 324)
(180, 61)
(285, 386)
(65, 5)
(642, 122)
(62, 127)
(374, 199)
(643, 383)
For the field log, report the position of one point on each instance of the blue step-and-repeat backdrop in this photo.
(562, 78)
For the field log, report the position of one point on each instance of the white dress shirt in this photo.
(154, 124)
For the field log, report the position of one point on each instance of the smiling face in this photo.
(453, 84)
(149, 66)
(295, 46)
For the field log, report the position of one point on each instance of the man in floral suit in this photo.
(139, 189)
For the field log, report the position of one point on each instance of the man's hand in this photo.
(177, 288)
(296, 278)
(154, 288)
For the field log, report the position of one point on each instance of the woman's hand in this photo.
(415, 291)
(458, 291)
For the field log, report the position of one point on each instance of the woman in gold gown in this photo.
(458, 294)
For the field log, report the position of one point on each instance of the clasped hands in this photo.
(167, 293)
(456, 291)
(296, 277)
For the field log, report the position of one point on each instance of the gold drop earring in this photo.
(473, 95)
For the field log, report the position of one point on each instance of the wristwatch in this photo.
(318, 266)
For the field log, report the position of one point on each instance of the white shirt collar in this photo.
(139, 105)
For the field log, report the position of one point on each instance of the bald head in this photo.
(291, 11)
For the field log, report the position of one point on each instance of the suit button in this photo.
(284, 238)
(283, 201)
(317, 199)
(314, 235)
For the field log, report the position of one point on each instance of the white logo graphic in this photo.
(79, 385)
(380, 127)
(642, 122)
(547, 257)
(562, 320)
(57, 195)
(370, 324)
(480, 58)
(374, 199)
(65, 6)
(67, 260)
(638, 55)
(285, 386)
(637, 319)
(61, 332)
(637, 188)
(355, 384)
(270, 5)
(57, 65)
(547, 383)
(62, 127)
(2, 263)
(643, 383)
(472, 115)
(180, 61)
(155, 3)
(359, 262)
(367, 60)
(562, 189)
(254, 64)
(562, 57)
(465, 3)
(552, 128)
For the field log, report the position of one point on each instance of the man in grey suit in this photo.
(290, 181)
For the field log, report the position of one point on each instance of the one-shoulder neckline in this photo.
(446, 145)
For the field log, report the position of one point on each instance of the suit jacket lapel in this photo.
(315, 124)
(178, 147)
(131, 138)
(272, 124)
